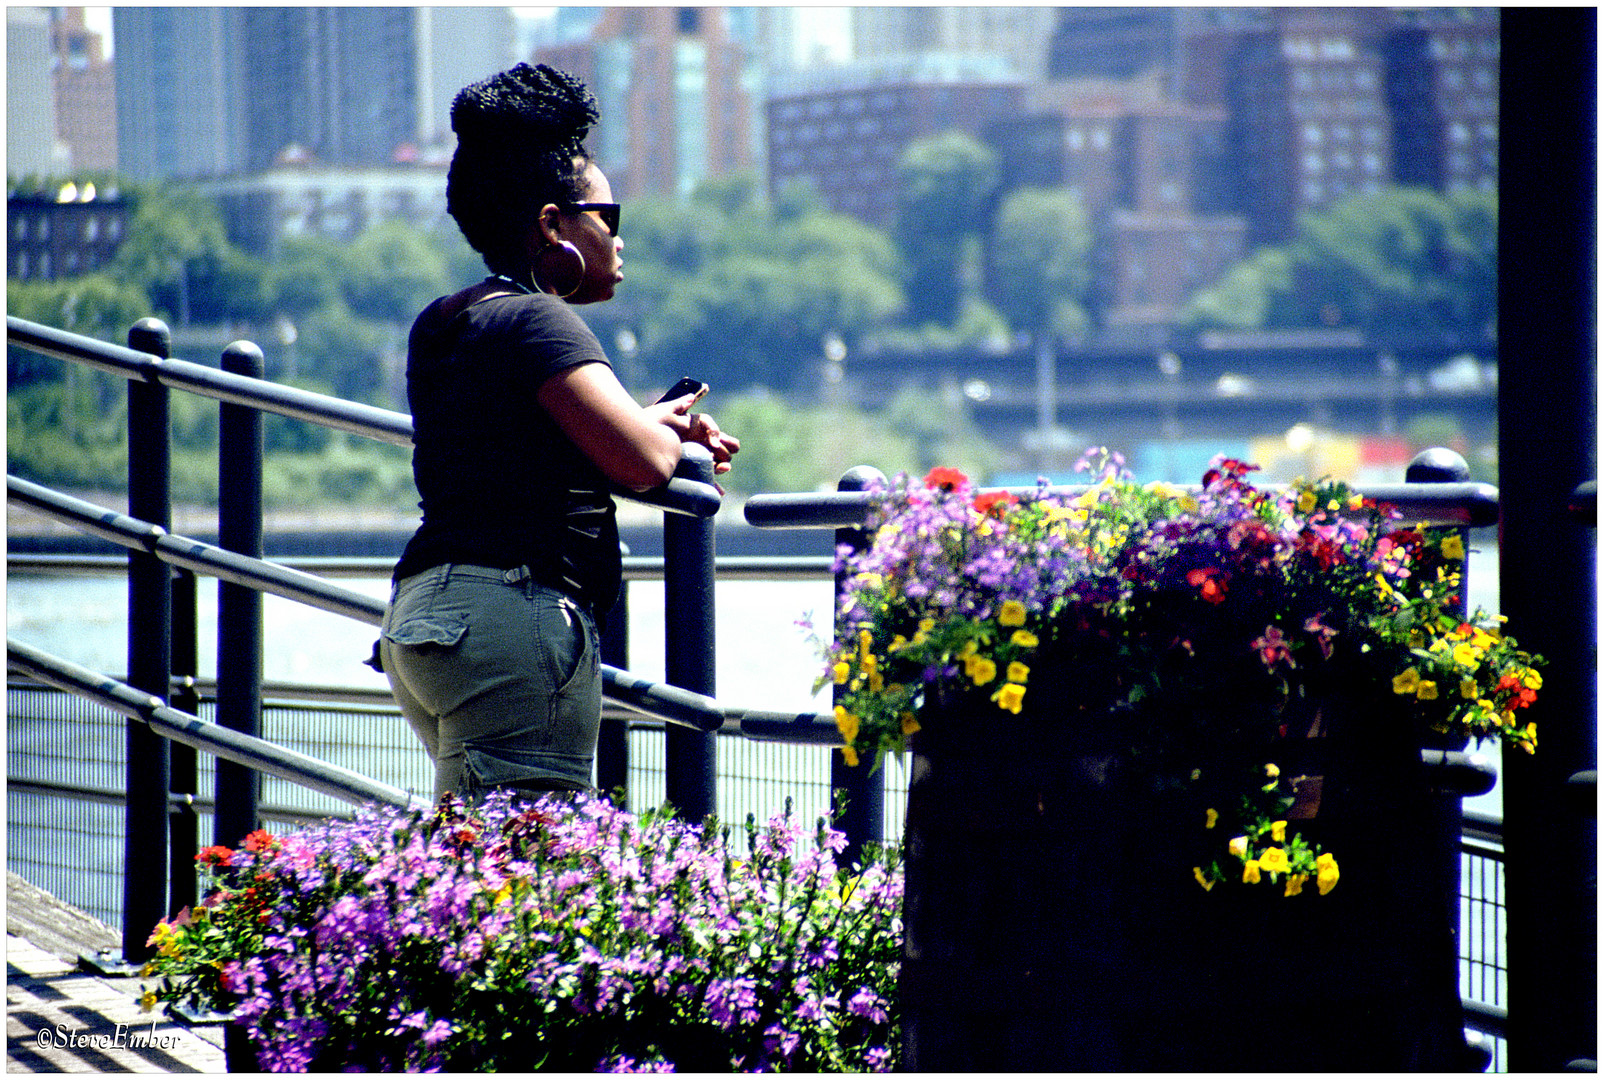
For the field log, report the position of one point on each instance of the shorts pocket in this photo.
(444, 631)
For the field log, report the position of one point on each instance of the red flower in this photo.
(260, 840)
(943, 477)
(1209, 582)
(216, 855)
(994, 503)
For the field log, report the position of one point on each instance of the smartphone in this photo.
(685, 386)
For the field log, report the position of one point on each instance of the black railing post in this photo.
(239, 607)
(690, 757)
(612, 742)
(183, 889)
(146, 848)
(1547, 446)
(861, 788)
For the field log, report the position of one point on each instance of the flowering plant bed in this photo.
(565, 935)
(1201, 633)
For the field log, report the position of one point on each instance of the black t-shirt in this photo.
(499, 483)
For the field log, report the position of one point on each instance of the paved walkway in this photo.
(62, 1015)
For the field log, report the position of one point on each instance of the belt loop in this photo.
(517, 575)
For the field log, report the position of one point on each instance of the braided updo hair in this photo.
(520, 145)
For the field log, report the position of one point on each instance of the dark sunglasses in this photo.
(607, 211)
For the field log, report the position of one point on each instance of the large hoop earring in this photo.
(552, 280)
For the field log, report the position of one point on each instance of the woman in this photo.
(520, 430)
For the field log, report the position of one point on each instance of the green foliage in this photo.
(1041, 260)
(946, 188)
(1405, 260)
(738, 293)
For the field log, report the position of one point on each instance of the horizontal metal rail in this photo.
(678, 496)
(1468, 504)
(656, 699)
(179, 726)
(636, 567)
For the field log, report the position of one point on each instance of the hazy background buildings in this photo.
(1191, 134)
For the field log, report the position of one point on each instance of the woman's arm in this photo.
(635, 447)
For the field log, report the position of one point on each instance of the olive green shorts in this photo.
(499, 677)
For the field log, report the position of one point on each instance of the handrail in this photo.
(1467, 504)
(253, 753)
(659, 700)
(679, 496)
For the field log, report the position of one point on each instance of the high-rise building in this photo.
(32, 145)
(337, 85)
(679, 91)
(1442, 88)
(86, 101)
(209, 92)
(181, 79)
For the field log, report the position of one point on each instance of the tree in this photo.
(1404, 261)
(946, 190)
(738, 293)
(170, 230)
(1041, 261)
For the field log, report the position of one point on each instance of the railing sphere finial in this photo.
(1437, 465)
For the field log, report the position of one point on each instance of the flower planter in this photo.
(1045, 929)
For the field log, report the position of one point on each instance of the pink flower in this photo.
(1273, 648)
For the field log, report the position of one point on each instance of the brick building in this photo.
(844, 129)
(62, 232)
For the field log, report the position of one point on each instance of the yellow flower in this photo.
(865, 639)
(1326, 873)
(1012, 613)
(1018, 672)
(1274, 860)
(1278, 831)
(1250, 872)
(1202, 879)
(1453, 547)
(1531, 680)
(897, 643)
(1295, 884)
(1210, 818)
(1272, 770)
(1468, 689)
(1406, 682)
(1238, 847)
(1189, 503)
(1466, 654)
(1307, 500)
(842, 672)
(910, 723)
(1010, 697)
(850, 755)
(847, 723)
(1427, 690)
(982, 670)
(926, 625)
(1025, 639)
(147, 1000)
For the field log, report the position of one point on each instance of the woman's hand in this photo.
(696, 427)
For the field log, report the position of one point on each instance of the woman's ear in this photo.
(546, 226)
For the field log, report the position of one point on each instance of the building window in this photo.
(19, 227)
(1313, 163)
(1313, 135)
(91, 228)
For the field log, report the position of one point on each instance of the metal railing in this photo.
(151, 886)
(1436, 491)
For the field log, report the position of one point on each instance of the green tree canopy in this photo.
(729, 289)
(946, 188)
(1404, 260)
(1041, 260)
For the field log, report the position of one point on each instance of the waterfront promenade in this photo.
(62, 1016)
